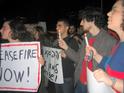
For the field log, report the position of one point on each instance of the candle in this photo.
(59, 34)
(86, 40)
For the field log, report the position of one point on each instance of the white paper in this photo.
(96, 87)
(19, 66)
(53, 66)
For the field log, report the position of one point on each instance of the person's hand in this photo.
(62, 44)
(63, 55)
(96, 55)
(41, 60)
(89, 49)
(102, 76)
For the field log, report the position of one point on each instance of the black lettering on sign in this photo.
(7, 74)
(52, 54)
(18, 55)
(53, 71)
(52, 77)
(7, 71)
(18, 75)
(1, 70)
(56, 68)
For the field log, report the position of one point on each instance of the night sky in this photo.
(48, 10)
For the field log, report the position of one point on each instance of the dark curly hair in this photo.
(93, 14)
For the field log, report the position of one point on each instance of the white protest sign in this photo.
(19, 66)
(96, 87)
(53, 65)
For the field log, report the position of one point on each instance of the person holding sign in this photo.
(94, 25)
(62, 28)
(112, 72)
(15, 31)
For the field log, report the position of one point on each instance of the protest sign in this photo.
(19, 66)
(53, 65)
(96, 87)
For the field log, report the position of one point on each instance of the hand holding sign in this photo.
(41, 60)
(63, 55)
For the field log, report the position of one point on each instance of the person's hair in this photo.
(93, 14)
(40, 31)
(64, 20)
(19, 31)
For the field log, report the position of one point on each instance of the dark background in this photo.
(48, 10)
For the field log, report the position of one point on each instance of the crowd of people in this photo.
(106, 62)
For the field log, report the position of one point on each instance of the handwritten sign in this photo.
(96, 87)
(53, 65)
(19, 66)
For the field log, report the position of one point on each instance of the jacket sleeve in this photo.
(104, 62)
(74, 55)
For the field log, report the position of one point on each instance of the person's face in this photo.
(61, 27)
(5, 31)
(115, 16)
(72, 29)
(85, 25)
